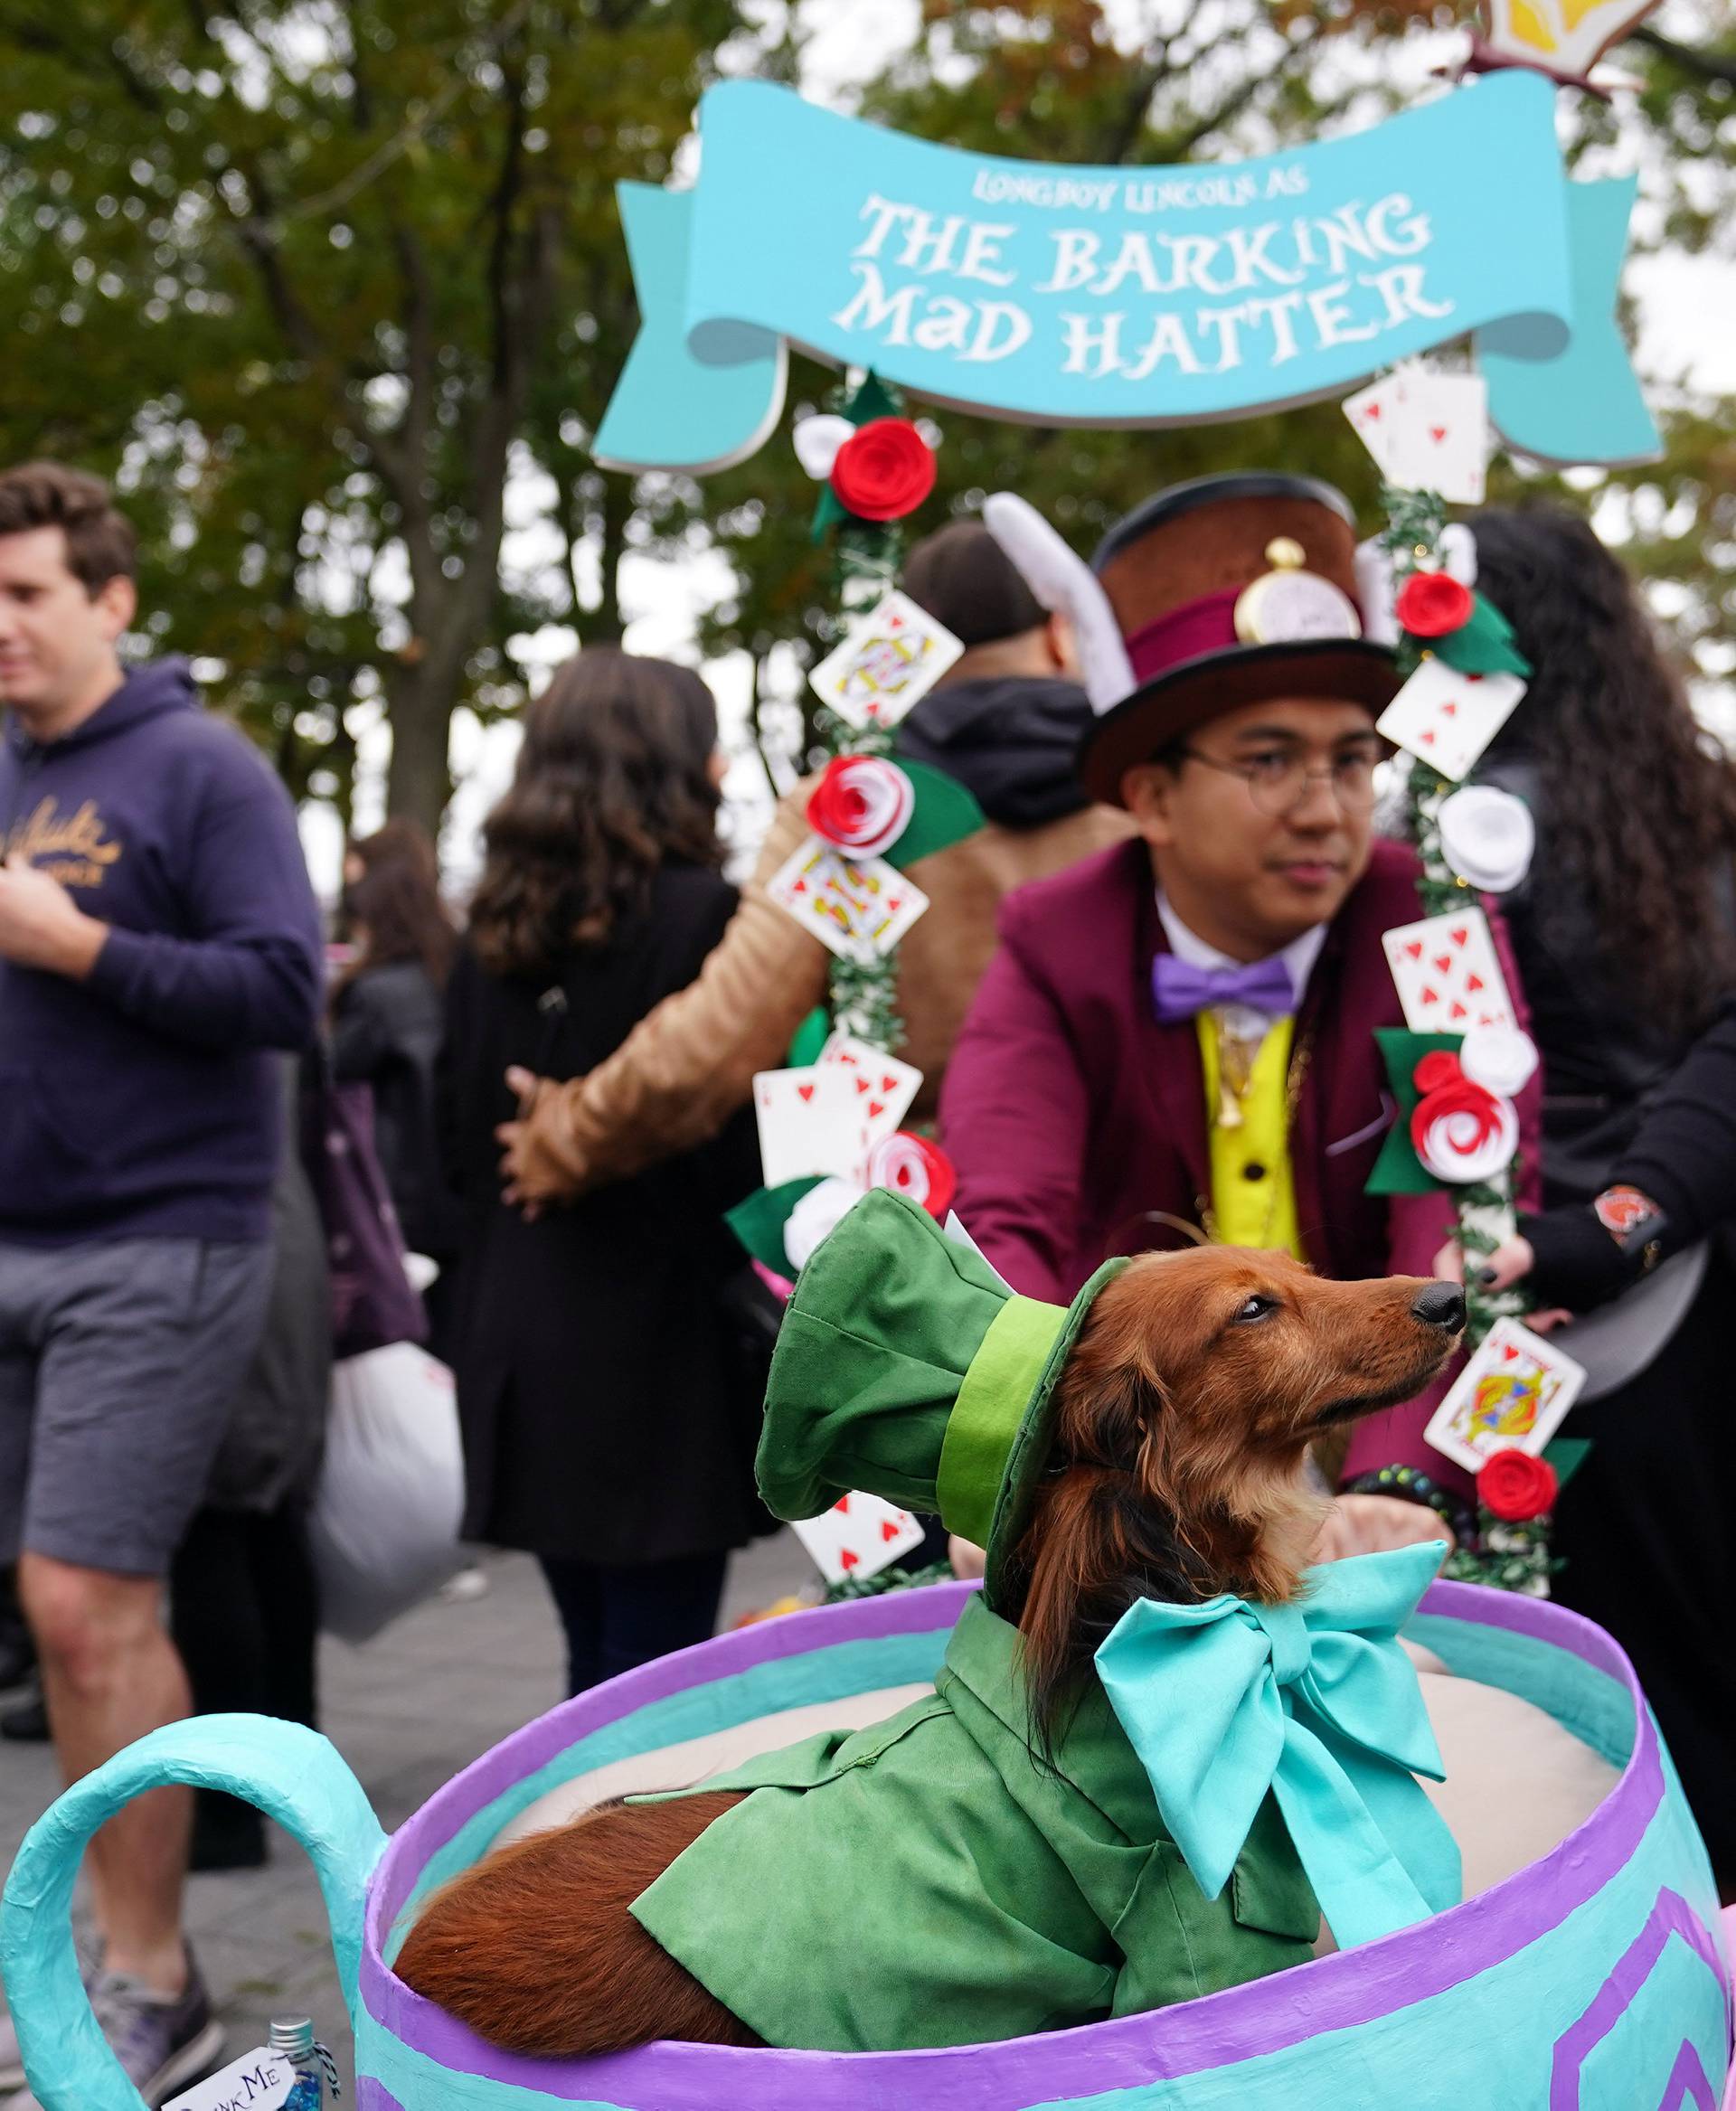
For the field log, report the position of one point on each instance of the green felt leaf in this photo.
(945, 813)
(1484, 646)
(809, 1038)
(1567, 1455)
(1398, 1171)
(873, 399)
(758, 1222)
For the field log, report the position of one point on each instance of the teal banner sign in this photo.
(1125, 296)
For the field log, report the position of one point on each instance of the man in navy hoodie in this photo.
(158, 939)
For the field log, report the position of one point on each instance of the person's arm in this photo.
(689, 1063)
(1015, 1121)
(1674, 1182)
(248, 975)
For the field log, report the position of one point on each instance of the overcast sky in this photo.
(1685, 305)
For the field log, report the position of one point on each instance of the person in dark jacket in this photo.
(1625, 937)
(605, 1428)
(158, 941)
(386, 1013)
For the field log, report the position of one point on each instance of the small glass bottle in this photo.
(293, 2036)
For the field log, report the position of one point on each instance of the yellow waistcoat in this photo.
(1253, 1189)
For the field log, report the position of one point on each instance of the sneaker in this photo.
(163, 2042)
(89, 1951)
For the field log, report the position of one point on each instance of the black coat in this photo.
(386, 1027)
(607, 1415)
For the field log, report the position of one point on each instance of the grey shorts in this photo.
(120, 1365)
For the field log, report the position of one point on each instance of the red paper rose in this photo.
(1431, 604)
(1440, 1067)
(1515, 1486)
(913, 1166)
(862, 803)
(884, 470)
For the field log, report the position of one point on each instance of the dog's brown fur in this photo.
(1182, 1424)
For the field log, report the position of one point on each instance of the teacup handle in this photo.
(292, 1774)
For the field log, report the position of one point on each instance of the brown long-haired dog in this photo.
(1177, 1471)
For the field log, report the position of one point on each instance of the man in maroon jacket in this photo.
(1176, 1037)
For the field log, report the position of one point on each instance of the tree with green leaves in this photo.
(314, 279)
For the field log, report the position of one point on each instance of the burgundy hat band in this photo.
(1206, 626)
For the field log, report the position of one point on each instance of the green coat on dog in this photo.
(929, 1881)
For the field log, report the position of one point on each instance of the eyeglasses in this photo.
(1278, 779)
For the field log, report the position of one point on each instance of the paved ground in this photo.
(407, 1711)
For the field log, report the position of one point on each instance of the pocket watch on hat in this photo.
(1289, 603)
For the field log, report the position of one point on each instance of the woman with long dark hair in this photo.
(1626, 935)
(606, 1426)
(386, 1010)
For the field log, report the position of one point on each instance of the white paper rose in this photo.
(816, 1217)
(818, 441)
(1487, 837)
(1500, 1058)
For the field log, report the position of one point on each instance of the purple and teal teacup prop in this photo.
(1593, 1977)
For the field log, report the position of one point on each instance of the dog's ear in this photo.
(1104, 1531)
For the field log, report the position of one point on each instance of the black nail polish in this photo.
(1486, 1276)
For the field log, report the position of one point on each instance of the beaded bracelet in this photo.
(1413, 1485)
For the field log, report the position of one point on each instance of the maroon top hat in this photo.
(1228, 590)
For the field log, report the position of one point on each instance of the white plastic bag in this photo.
(385, 1524)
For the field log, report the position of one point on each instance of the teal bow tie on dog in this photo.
(1316, 1701)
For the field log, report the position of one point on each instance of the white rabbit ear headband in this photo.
(1065, 585)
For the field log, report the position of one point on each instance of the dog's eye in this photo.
(1256, 1308)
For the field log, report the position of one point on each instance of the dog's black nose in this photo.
(1440, 1305)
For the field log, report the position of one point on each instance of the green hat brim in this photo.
(1033, 1441)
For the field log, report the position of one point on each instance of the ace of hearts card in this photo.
(809, 1124)
(859, 907)
(1447, 975)
(858, 1537)
(884, 664)
(1511, 1396)
(1448, 719)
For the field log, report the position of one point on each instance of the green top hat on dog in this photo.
(906, 1368)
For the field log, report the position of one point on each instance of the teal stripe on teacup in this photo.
(1595, 1706)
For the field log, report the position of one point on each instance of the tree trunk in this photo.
(418, 782)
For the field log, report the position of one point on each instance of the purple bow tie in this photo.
(1179, 990)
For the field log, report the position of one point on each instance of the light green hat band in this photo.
(993, 1397)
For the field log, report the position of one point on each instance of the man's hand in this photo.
(41, 925)
(1369, 1524)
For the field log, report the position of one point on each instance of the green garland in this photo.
(862, 996)
(1415, 520)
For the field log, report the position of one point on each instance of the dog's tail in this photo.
(535, 1950)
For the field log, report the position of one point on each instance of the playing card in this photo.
(1447, 975)
(859, 1536)
(883, 1087)
(884, 663)
(807, 1122)
(1375, 412)
(1510, 1396)
(1439, 435)
(1448, 719)
(859, 907)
